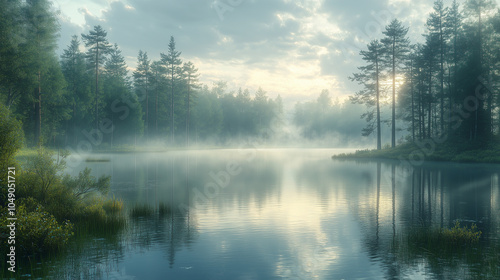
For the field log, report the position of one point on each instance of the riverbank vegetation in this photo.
(459, 248)
(429, 151)
(49, 205)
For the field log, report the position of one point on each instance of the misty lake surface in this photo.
(288, 214)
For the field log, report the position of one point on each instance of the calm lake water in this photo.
(289, 214)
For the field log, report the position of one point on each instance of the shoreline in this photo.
(422, 153)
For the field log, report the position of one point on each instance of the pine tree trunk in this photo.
(393, 142)
(379, 133)
(97, 87)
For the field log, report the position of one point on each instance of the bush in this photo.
(100, 216)
(113, 206)
(79, 199)
(38, 230)
(461, 235)
(11, 139)
(85, 184)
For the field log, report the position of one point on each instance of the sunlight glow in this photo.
(386, 88)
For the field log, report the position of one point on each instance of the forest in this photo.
(442, 84)
(87, 95)
(438, 89)
(444, 88)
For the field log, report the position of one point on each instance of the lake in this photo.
(289, 214)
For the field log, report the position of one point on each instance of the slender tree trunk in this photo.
(188, 110)
(97, 86)
(172, 105)
(147, 107)
(429, 120)
(74, 124)
(442, 76)
(422, 111)
(412, 102)
(156, 104)
(40, 109)
(455, 70)
(379, 133)
(393, 142)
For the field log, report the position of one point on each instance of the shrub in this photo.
(38, 230)
(85, 183)
(11, 139)
(461, 235)
(101, 216)
(43, 172)
(113, 206)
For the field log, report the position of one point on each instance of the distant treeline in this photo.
(336, 122)
(447, 86)
(90, 95)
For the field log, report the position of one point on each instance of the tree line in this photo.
(326, 120)
(88, 91)
(445, 87)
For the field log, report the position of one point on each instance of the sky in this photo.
(292, 48)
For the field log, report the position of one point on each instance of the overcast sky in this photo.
(292, 48)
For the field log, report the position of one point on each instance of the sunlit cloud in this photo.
(291, 48)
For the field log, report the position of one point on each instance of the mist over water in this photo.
(289, 213)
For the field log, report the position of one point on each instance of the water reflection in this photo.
(297, 214)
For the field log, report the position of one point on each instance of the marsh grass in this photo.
(102, 217)
(460, 249)
(142, 210)
(461, 235)
(445, 238)
(163, 209)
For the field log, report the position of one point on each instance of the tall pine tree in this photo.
(396, 49)
(98, 46)
(370, 76)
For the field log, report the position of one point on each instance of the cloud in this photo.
(287, 47)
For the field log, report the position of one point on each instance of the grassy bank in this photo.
(51, 207)
(429, 151)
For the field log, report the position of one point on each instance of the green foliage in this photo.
(445, 239)
(49, 199)
(143, 210)
(467, 153)
(85, 184)
(11, 138)
(461, 235)
(37, 230)
(43, 172)
(100, 216)
(113, 206)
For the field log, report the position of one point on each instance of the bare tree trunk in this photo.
(97, 87)
(393, 140)
(39, 108)
(379, 133)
